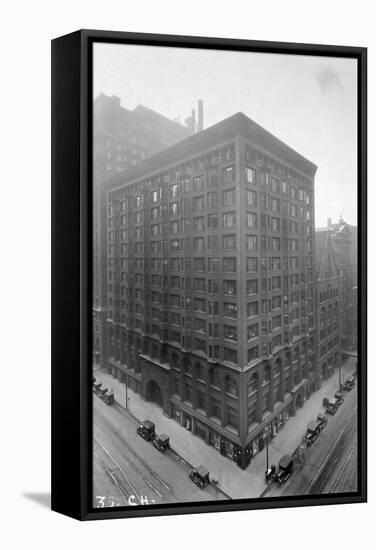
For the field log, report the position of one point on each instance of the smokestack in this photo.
(193, 120)
(329, 223)
(200, 122)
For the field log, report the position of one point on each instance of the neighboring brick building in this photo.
(211, 283)
(329, 299)
(121, 139)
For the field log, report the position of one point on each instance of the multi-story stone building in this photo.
(211, 283)
(344, 243)
(329, 310)
(121, 139)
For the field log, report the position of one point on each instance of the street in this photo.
(330, 464)
(130, 471)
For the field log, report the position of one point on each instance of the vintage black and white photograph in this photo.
(225, 275)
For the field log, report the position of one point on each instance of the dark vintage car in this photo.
(108, 397)
(97, 386)
(322, 421)
(312, 434)
(161, 442)
(339, 398)
(200, 476)
(332, 407)
(349, 384)
(285, 469)
(146, 430)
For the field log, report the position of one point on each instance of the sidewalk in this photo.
(237, 483)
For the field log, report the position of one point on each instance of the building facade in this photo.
(121, 139)
(211, 284)
(329, 311)
(344, 243)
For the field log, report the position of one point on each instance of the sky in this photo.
(309, 102)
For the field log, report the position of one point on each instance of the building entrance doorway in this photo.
(153, 393)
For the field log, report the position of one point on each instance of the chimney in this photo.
(329, 223)
(200, 122)
(193, 121)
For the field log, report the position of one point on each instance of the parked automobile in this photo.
(322, 421)
(339, 398)
(332, 407)
(161, 442)
(349, 384)
(312, 434)
(97, 386)
(200, 476)
(108, 397)
(285, 469)
(146, 430)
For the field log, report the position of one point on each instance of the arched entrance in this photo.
(300, 401)
(153, 393)
(324, 371)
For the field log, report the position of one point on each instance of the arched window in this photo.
(322, 317)
(311, 344)
(252, 383)
(288, 358)
(231, 386)
(304, 348)
(266, 375)
(296, 354)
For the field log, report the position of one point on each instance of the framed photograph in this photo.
(209, 274)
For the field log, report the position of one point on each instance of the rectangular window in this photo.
(213, 242)
(229, 220)
(199, 224)
(174, 227)
(230, 333)
(229, 197)
(276, 243)
(212, 221)
(199, 305)
(252, 331)
(174, 208)
(229, 287)
(253, 353)
(230, 355)
(229, 242)
(213, 199)
(199, 244)
(250, 175)
(229, 265)
(252, 265)
(251, 242)
(252, 286)
(200, 325)
(199, 264)
(252, 309)
(230, 310)
(228, 174)
(213, 265)
(251, 220)
(251, 198)
(200, 284)
(198, 204)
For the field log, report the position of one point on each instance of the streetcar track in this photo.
(113, 478)
(323, 474)
(343, 469)
(141, 460)
(133, 489)
(141, 474)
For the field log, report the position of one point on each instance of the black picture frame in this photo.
(72, 268)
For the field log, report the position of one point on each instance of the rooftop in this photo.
(237, 124)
